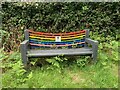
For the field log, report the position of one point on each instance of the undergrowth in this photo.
(61, 71)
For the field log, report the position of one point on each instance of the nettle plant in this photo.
(82, 62)
(56, 61)
(108, 52)
(60, 61)
(13, 68)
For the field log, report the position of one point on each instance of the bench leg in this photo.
(94, 56)
(24, 57)
(95, 51)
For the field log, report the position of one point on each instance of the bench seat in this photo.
(54, 52)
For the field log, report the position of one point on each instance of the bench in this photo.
(41, 44)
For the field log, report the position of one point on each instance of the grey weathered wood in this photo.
(90, 41)
(23, 50)
(87, 33)
(54, 52)
(26, 34)
(26, 42)
(94, 47)
(95, 51)
(87, 36)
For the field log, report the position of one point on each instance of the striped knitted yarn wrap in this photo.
(69, 39)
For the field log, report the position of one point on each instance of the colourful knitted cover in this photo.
(70, 39)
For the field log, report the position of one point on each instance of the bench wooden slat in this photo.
(53, 38)
(64, 36)
(50, 42)
(52, 45)
(54, 52)
(55, 34)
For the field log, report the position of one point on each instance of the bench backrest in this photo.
(56, 40)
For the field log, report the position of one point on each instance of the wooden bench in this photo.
(40, 44)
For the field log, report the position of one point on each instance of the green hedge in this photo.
(102, 18)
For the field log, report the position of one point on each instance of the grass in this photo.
(91, 76)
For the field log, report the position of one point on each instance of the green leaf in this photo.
(104, 63)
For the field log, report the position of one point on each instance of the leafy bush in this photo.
(102, 18)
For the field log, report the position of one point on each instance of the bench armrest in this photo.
(90, 41)
(23, 49)
(94, 46)
(24, 45)
(25, 42)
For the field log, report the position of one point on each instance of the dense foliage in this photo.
(102, 18)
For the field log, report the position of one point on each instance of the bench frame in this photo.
(24, 46)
